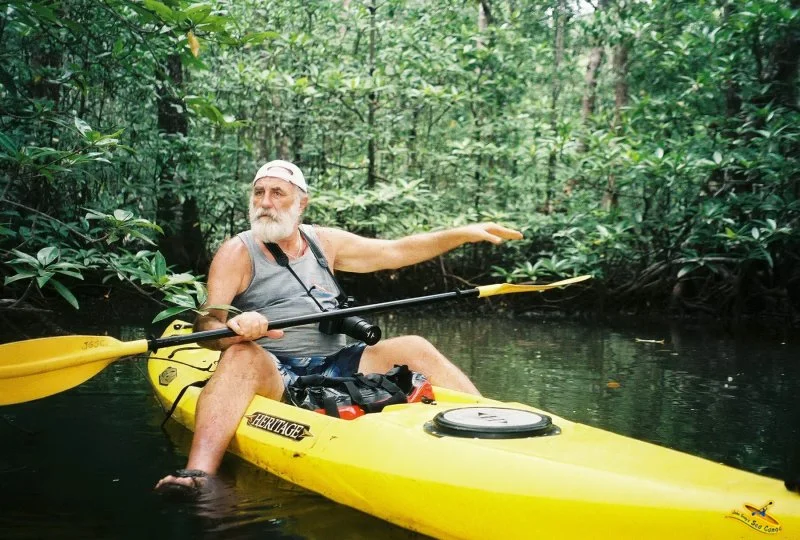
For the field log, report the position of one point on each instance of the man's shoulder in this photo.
(323, 231)
(327, 238)
(237, 241)
(233, 248)
(314, 228)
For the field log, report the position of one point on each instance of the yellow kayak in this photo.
(466, 467)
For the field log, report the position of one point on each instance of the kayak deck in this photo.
(582, 482)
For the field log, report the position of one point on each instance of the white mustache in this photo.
(266, 213)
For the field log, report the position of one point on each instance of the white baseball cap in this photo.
(284, 170)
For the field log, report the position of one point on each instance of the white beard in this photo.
(275, 226)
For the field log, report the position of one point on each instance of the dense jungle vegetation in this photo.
(651, 143)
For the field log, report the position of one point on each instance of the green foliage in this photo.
(406, 117)
(121, 224)
(42, 269)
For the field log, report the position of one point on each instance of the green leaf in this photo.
(65, 293)
(48, 255)
(146, 224)
(45, 13)
(755, 232)
(42, 280)
(119, 45)
(166, 14)
(159, 265)
(685, 270)
(768, 258)
(170, 312)
(123, 215)
(181, 299)
(70, 273)
(180, 279)
(201, 292)
(197, 12)
(82, 126)
(18, 276)
(717, 158)
(94, 214)
(8, 144)
(141, 236)
(25, 258)
(258, 37)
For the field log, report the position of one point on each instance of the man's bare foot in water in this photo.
(184, 482)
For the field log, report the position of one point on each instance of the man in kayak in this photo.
(246, 273)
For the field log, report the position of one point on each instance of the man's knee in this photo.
(243, 356)
(248, 361)
(239, 349)
(412, 344)
(416, 352)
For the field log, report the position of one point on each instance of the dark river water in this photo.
(82, 464)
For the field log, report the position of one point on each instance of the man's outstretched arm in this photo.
(353, 253)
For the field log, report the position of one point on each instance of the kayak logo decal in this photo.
(757, 517)
(279, 426)
(167, 376)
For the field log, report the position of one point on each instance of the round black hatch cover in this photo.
(491, 423)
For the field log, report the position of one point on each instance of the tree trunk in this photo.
(620, 83)
(343, 27)
(590, 89)
(182, 243)
(282, 140)
(372, 102)
(590, 77)
(412, 141)
(559, 22)
(484, 18)
(620, 62)
(784, 60)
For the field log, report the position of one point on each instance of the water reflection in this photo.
(82, 464)
(729, 400)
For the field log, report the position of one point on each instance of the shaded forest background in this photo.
(653, 144)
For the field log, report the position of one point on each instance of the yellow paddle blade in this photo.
(509, 288)
(39, 368)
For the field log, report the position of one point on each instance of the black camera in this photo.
(355, 327)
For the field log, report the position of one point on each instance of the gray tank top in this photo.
(276, 294)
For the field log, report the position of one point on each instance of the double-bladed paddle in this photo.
(38, 368)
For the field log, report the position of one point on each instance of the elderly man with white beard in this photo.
(244, 273)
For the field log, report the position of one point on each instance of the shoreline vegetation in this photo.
(654, 145)
(107, 309)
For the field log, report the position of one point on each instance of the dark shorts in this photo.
(340, 364)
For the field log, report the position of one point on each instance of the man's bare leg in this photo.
(244, 370)
(419, 355)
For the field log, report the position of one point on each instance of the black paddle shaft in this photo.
(172, 341)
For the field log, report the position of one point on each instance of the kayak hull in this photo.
(581, 482)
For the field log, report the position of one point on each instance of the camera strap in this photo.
(323, 262)
(283, 260)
